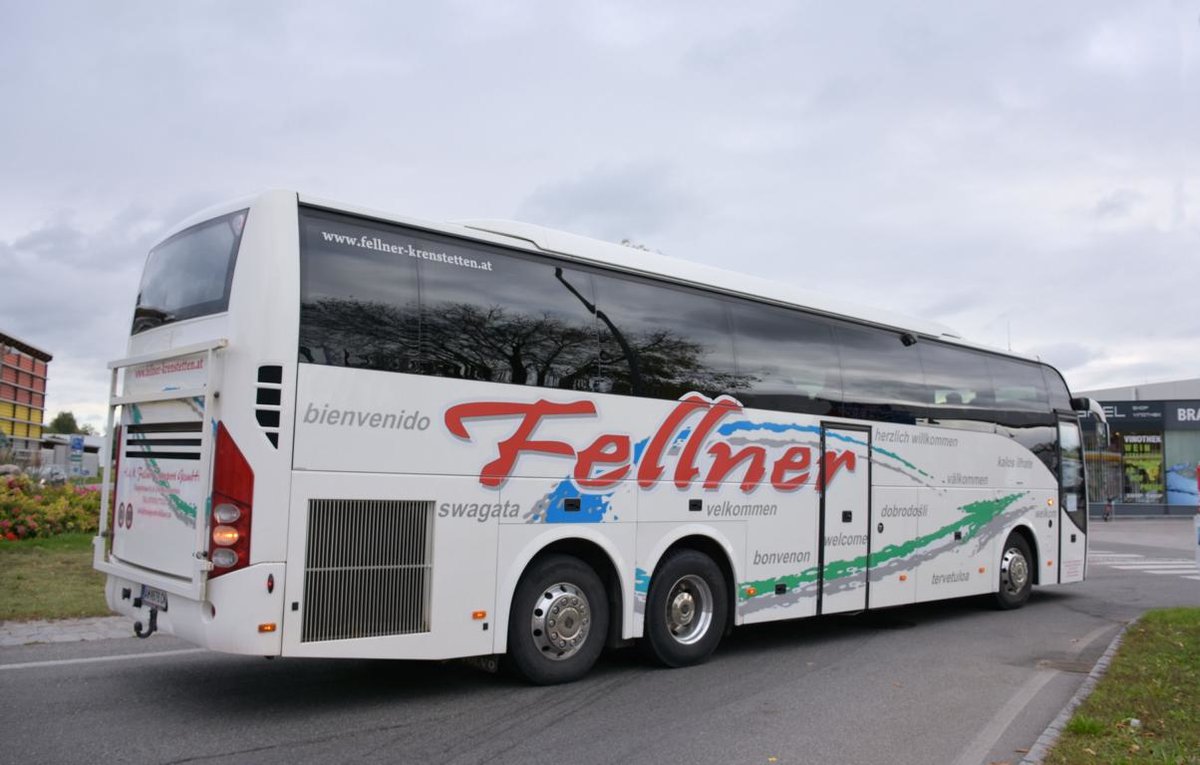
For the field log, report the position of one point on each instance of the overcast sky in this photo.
(1026, 173)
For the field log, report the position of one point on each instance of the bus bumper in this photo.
(239, 614)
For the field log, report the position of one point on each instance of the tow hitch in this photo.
(137, 626)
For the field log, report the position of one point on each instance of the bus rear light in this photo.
(224, 558)
(226, 513)
(225, 536)
(233, 495)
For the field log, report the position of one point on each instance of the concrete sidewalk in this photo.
(65, 630)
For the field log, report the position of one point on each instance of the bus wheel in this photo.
(1016, 573)
(558, 621)
(686, 609)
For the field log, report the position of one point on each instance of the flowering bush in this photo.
(28, 510)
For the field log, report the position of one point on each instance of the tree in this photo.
(65, 423)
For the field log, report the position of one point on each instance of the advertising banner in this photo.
(1143, 460)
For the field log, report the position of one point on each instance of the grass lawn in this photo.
(50, 579)
(1154, 679)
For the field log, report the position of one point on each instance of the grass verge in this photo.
(1146, 708)
(50, 578)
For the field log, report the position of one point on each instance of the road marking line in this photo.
(98, 659)
(977, 751)
(1157, 567)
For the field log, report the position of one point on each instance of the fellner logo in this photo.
(795, 468)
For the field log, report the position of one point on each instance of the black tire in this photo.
(1016, 573)
(580, 624)
(686, 609)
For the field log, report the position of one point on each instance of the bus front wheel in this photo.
(558, 621)
(686, 609)
(1016, 573)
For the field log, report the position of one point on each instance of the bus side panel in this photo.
(460, 566)
(958, 562)
(1074, 550)
(896, 515)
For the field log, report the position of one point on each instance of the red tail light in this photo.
(232, 497)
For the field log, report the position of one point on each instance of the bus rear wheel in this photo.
(558, 621)
(686, 609)
(1016, 573)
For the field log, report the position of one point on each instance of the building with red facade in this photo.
(22, 398)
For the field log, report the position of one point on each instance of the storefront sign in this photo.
(1138, 414)
(1182, 415)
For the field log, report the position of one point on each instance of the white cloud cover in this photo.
(1015, 172)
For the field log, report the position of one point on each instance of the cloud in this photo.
(632, 202)
(1118, 204)
(76, 300)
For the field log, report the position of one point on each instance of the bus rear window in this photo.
(189, 274)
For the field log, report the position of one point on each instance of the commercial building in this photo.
(22, 398)
(1151, 463)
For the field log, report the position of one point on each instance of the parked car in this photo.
(50, 475)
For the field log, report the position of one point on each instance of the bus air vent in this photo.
(367, 568)
(268, 401)
(163, 440)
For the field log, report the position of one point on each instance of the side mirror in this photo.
(1081, 404)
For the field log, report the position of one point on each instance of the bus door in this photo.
(845, 518)
(1072, 515)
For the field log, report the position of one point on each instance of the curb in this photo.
(14, 633)
(1049, 737)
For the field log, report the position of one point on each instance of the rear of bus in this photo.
(194, 524)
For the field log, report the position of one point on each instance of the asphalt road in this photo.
(953, 682)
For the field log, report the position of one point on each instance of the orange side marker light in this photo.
(478, 615)
(904, 577)
(268, 627)
(751, 592)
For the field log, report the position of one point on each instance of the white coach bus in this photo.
(349, 434)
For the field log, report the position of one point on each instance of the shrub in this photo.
(28, 510)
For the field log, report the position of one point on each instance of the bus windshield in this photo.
(189, 274)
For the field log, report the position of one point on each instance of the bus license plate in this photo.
(154, 598)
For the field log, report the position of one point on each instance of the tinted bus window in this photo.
(190, 274)
(1056, 389)
(663, 342)
(358, 295)
(881, 377)
(518, 321)
(1019, 385)
(786, 360)
(956, 378)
